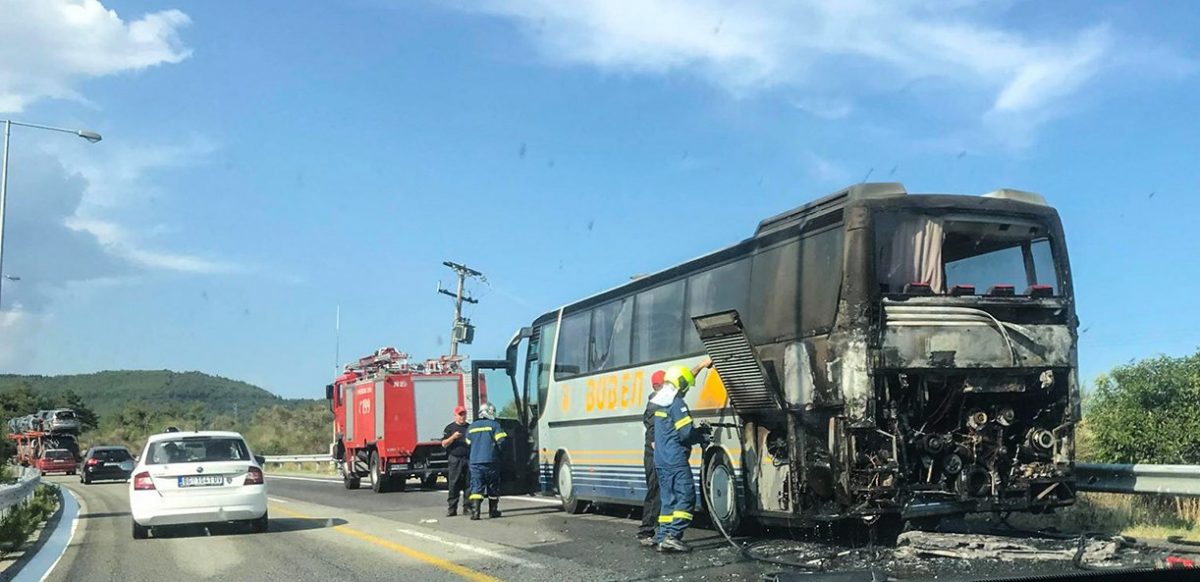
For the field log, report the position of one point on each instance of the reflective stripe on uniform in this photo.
(665, 519)
(683, 422)
(661, 413)
(501, 435)
(468, 440)
(475, 497)
(682, 515)
(481, 429)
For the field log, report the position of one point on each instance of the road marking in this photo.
(278, 500)
(434, 561)
(270, 476)
(550, 500)
(470, 548)
(59, 537)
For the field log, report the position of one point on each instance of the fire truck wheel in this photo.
(566, 489)
(379, 481)
(429, 481)
(721, 494)
(349, 479)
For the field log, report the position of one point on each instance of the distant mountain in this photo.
(111, 391)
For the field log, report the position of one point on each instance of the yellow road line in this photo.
(434, 561)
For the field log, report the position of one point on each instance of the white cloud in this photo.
(50, 46)
(118, 241)
(831, 51)
(827, 171)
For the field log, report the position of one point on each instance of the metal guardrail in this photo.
(15, 493)
(1164, 479)
(321, 458)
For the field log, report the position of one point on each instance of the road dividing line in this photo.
(549, 500)
(470, 548)
(434, 561)
(278, 500)
(270, 476)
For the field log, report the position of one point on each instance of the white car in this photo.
(197, 477)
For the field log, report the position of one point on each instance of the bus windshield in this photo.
(976, 250)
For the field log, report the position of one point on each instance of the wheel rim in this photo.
(720, 491)
(564, 481)
(371, 470)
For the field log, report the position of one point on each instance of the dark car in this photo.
(102, 463)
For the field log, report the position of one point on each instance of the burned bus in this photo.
(875, 354)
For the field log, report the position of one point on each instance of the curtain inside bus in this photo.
(913, 253)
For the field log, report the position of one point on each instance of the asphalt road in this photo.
(320, 531)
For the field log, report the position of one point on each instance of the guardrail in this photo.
(321, 458)
(15, 493)
(1164, 479)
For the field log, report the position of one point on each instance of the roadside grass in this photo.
(24, 518)
(1145, 516)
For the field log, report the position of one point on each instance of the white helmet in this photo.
(488, 411)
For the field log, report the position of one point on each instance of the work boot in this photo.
(493, 504)
(452, 510)
(673, 544)
(475, 510)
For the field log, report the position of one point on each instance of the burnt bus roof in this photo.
(823, 212)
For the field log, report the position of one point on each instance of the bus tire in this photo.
(722, 498)
(564, 482)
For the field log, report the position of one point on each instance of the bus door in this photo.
(518, 461)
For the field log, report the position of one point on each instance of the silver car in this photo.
(61, 420)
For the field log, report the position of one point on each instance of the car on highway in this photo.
(101, 463)
(203, 477)
(56, 461)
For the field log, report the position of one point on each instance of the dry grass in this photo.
(1147, 516)
(314, 469)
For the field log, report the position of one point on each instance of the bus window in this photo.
(611, 326)
(820, 279)
(573, 345)
(658, 323)
(718, 289)
(775, 289)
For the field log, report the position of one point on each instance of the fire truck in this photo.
(388, 417)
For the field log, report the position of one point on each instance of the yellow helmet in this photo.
(680, 377)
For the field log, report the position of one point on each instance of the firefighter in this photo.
(454, 440)
(674, 436)
(651, 504)
(485, 437)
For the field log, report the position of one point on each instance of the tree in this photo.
(1147, 412)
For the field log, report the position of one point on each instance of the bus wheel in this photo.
(566, 488)
(378, 480)
(721, 494)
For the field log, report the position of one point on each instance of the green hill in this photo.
(106, 393)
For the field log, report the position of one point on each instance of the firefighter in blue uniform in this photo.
(674, 436)
(485, 437)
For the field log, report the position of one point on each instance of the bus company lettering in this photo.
(618, 391)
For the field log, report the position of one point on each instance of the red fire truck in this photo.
(388, 416)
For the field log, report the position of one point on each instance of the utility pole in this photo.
(463, 331)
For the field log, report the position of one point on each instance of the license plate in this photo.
(201, 481)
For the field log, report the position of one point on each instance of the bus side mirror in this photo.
(329, 392)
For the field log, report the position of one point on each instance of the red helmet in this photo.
(658, 377)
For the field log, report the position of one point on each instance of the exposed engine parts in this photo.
(998, 447)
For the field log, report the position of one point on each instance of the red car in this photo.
(57, 461)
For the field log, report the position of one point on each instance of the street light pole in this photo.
(90, 136)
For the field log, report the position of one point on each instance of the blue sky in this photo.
(265, 162)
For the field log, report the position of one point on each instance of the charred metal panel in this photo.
(958, 337)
